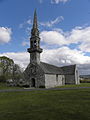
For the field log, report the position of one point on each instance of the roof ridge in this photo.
(50, 64)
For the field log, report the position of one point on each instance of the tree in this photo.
(9, 70)
(17, 74)
(6, 68)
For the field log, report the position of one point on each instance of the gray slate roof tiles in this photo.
(51, 69)
(68, 70)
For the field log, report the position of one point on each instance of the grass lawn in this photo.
(5, 86)
(46, 105)
(80, 85)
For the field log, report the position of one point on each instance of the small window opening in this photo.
(31, 43)
(57, 78)
(35, 43)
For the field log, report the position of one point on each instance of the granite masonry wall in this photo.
(52, 80)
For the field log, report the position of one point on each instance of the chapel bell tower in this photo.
(35, 49)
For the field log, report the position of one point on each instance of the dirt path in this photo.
(40, 89)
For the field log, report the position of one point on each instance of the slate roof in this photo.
(68, 70)
(52, 69)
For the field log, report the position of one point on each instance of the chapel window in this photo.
(57, 78)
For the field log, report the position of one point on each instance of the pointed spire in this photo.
(35, 31)
(35, 26)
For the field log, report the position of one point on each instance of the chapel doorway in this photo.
(32, 82)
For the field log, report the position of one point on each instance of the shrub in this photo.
(3, 78)
(85, 81)
(26, 86)
(42, 86)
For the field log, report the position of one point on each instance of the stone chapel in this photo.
(39, 74)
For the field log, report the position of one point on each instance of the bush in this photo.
(85, 81)
(26, 86)
(42, 86)
(3, 78)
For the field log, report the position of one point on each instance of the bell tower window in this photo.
(35, 43)
(31, 44)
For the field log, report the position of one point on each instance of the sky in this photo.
(64, 27)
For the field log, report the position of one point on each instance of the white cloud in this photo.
(20, 58)
(82, 36)
(40, 1)
(5, 35)
(85, 47)
(55, 1)
(53, 37)
(79, 36)
(29, 21)
(45, 24)
(64, 56)
(53, 22)
(24, 43)
(58, 1)
(25, 23)
(60, 57)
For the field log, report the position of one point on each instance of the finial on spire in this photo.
(35, 26)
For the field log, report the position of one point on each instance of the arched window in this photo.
(31, 43)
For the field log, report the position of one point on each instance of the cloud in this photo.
(58, 1)
(54, 1)
(25, 23)
(60, 57)
(53, 22)
(64, 56)
(40, 1)
(82, 36)
(85, 47)
(24, 43)
(78, 36)
(53, 37)
(45, 24)
(5, 35)
(20, 58)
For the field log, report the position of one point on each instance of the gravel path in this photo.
(40, 89)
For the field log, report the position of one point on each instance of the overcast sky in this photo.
(64, 27)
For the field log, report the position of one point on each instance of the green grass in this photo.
(71, 86)
(5, 86)
(46, 105)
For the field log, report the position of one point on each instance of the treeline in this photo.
(9, 71)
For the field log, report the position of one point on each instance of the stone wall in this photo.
(34, 71)
(52, 80)
(70, 79)
(77, 80)
(61, 80)
(35, 57)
